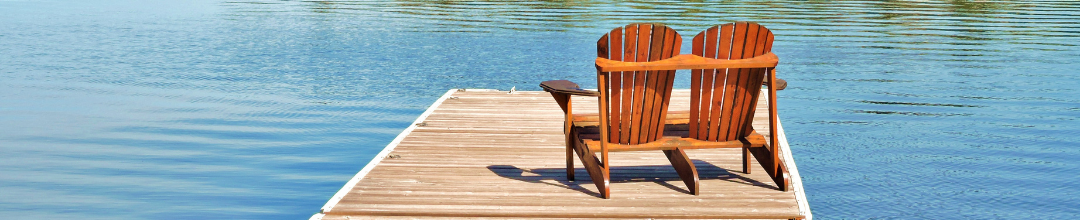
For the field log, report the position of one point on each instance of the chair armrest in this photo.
(566, 87)
(780, 83)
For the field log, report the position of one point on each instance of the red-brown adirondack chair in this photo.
(723, 100)
(635, 71)
(633, 103)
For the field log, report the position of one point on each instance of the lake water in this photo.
(260, 109)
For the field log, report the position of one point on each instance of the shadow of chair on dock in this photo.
(659, 174)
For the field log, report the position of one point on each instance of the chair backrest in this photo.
(722, 101)
(637, 100)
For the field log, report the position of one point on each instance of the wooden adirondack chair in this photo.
(635, 71)
(722, 101)
(633, 104)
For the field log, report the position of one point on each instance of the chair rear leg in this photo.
(686, 169)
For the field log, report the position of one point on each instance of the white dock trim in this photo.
(796, 180)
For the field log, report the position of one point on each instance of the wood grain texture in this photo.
(615, 83)
(686, 61)
(638, 90)
(489, 154)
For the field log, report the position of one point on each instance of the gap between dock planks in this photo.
(460, 143)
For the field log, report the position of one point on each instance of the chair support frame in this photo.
(767, 154)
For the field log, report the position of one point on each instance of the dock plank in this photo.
(490, 154)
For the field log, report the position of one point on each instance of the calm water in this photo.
(127, 109)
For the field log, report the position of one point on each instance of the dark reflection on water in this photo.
(919, 104)
(263, 109)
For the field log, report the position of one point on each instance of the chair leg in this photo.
(765, 158)
(746, 160)
(686, 169)
(569, 156)
(565, 104)
(596, 172)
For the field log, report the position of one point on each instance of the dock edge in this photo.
(379, 157)
(796, 179)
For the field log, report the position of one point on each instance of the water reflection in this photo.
(964, 20)
(908, 113)
(921, 104)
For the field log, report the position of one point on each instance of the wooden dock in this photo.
(493, 154)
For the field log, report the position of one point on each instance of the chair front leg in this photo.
(569, 159)
(686, 169)
(746, 160)
(598, 172)
(569, 147)
(563, 100)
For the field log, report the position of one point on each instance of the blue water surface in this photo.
(263, 109)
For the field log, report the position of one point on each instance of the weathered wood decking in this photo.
(498, 155)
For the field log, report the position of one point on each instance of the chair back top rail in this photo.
(687, 61)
